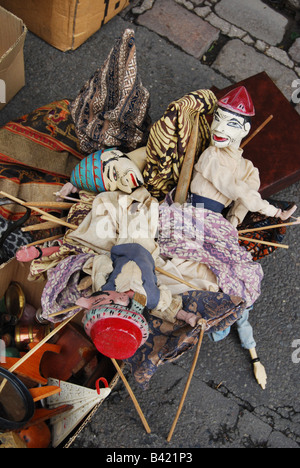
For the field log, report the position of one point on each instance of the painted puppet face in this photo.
(111, 297)
(105, 298)
(119, 172)
(228, 129)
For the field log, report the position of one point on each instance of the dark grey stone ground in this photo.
(225, 408)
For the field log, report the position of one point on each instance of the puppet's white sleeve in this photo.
(234, 189)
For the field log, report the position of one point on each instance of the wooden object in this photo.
(75, 200)
(259, 241)
(42, 241)
(40, 344)
(63, 311)
(202, 324)
(76, 352)
(188, 165)
(266, 228)
(50, 204)
(31, 368)
(39, 393)
(132, 396)
(40, 226)
(51, 217)
(259, 129)
(274, 150)
(176, 278)
(42, 414)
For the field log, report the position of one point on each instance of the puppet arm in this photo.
(258, 369)
(190, 319)
(26, 254)
(66, 190)
(222, 178)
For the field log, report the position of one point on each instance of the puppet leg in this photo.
(245, 332)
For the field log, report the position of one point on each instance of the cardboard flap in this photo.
(16, 271)
(10, 31)
(8, 58)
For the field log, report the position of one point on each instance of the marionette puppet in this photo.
(221, 175)
(220, 178)
(107, 170)
(103, 171)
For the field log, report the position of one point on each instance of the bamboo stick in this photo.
(134, 400)
(257, 241)
(59, 221)
(41, 241)
(35, 348)
(176, 278)
(41, 343)
(202, 323)
(64, 311)
(50, 204)
(273, 226)
(39, 226)
(75, 200)
(22, 202)
(257, 131)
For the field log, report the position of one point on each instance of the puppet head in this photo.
(108, 170)
(232, 119)
(116, 331)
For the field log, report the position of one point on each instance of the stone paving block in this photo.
(180, 26)
(239, 61)
(255, 17)
(295, 50)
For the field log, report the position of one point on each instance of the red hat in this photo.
(116, 331)
(239, 101)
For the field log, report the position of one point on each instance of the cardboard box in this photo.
(12, 38)
(65, 24)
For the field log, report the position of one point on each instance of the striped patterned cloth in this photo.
(169, 138)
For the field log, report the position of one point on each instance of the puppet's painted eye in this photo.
(234, 124)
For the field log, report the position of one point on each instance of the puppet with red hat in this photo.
(222, 175)
(222, 178)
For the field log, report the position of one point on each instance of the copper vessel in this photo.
(25, 334)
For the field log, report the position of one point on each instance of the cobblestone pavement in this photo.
(228, 30)
(183, 45)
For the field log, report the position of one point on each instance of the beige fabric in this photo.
(195, 273)
(118, 218)
(225, 176)
(169, 313)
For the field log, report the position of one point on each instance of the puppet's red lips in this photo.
(219, 139)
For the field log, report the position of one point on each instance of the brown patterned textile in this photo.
(169, 138)
(112, 107)
(167, 341)
(38, 152)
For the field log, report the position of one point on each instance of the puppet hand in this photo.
(284, 215)
(26, 254)
(260, 374)
(187, 317)
(66, 190)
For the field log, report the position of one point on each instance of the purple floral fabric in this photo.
(194, 233)
(61, 290)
